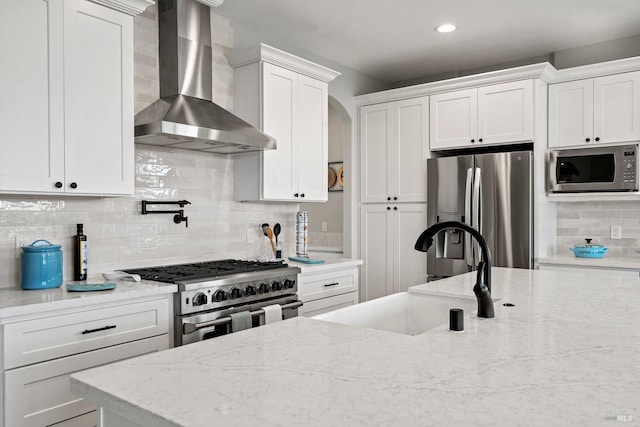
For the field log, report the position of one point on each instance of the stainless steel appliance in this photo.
(490, 192)
(613, 168)
(208, 292)
(185, 116)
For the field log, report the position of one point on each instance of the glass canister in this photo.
(40, 265)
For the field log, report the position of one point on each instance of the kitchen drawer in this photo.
(323, 285)
(325, 305)
(87, 420)
(39, 395)
(65, 333)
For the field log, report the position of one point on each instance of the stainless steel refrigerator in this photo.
(490, 192)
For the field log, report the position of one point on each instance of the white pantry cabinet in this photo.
(66, 114)
(595, 111)
(327, 290)
(394, 146)
(488, 115)
(287, 98)
(388, 233)
(41, 351)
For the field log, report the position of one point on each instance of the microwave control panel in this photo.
(629, 167)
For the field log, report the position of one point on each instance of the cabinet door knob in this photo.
(395, 208)
(395, 198)
(302, 195)
(58, 184)
(480, 140)
(473, 140)
(388, 198)
(73, 185)
(388, 208)
(588, 139)
(597, 138)
(295, 195)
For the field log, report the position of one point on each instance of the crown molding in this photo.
(600, 69)
(130, 7)
(274, 56)
(542, 71)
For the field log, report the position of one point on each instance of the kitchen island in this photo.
(566, 353)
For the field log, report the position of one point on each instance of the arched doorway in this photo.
(330, 222)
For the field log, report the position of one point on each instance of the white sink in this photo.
(404, 312)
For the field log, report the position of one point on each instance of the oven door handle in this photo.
(188, 328)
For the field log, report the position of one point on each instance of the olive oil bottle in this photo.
(80, 255)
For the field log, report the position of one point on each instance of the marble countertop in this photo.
(567, 353)
(330, 263)
(17, 302)
(617, 262)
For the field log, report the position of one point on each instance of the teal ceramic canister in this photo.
(40, 266)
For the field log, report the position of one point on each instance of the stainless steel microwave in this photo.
(591, 169)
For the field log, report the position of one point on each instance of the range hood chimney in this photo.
(184, 116)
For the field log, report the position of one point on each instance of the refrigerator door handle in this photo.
(477, 200)
(468, 217)
(477, 211)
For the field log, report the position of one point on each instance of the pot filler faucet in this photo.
(482, 288)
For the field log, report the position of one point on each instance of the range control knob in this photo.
(235, 293)
(199, 299)
(288, 284)
(276, 286)
(263, 288)
(219, 295)
(250, 290)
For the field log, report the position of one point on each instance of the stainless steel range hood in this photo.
(184, 116)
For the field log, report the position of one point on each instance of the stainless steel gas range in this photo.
(209, 292)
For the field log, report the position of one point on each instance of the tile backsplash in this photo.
(119, 236)
(581, 220)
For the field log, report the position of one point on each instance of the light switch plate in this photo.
(616, 232)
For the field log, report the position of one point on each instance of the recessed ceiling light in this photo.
(445, 28)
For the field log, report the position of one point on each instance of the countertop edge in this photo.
(328, 265)
(19, 302)
(613, 262)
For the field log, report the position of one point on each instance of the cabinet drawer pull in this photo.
(104, 328)
(331, 284)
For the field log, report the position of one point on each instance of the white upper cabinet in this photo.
(595, 111)
(394, 146)
(488, 115)
(66, 116)
(287, 98)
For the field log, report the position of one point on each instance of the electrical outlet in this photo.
(20, 242)
(616, 232)
(324, 226)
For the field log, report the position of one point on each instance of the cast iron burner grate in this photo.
(203, 270)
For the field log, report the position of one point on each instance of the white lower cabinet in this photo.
(388, 234)
(327, 290)
(40, 352)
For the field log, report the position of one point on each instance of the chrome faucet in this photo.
(482, 288)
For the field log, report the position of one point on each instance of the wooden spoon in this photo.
(270, 236)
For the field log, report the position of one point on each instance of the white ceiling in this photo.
(394, 40)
